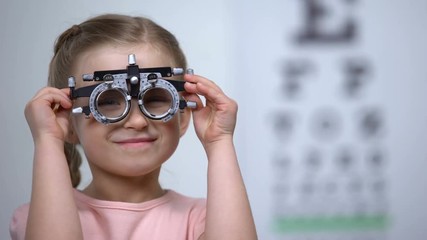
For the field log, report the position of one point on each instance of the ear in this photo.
(184, 121)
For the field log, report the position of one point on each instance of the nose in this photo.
(135, 119)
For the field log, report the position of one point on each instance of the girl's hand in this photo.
(215, 120)
(47, 113)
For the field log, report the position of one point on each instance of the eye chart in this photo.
(319, 132)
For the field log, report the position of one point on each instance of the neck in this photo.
(125, 189)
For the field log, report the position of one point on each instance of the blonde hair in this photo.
(104, 29)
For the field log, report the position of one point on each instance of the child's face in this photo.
(135, 146)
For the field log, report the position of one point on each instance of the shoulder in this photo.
(179, 206)
(186, 201)
(193, 209)
(179, 196)
(18, 222)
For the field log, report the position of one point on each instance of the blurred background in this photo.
(332, 120)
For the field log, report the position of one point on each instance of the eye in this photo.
(111, 103)
(157, 101)
(157, 95)
(157, 98)
(108, 102)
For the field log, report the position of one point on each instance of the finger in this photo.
(196, 79)
(212, 95)
(52, 90)
(66, 91)
(193, 98)
(205, 88)
(53, 98)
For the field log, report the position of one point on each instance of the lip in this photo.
(135, 142)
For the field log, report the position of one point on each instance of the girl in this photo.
(124, 199)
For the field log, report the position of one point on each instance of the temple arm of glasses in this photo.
(83, 91)
(179, 85)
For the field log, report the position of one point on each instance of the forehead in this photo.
(116, 57)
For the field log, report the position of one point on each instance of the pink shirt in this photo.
(172, 216)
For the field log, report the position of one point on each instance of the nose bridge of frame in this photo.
(135, 111)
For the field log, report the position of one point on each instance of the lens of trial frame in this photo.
(111, 103)
(157, 101)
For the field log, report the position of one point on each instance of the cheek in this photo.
(172, 131)
(87, 129)
(92, 139)
(184, 121)
(170, 144)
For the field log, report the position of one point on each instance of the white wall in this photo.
(244, 48)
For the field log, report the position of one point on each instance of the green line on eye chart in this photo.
(330, 224)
